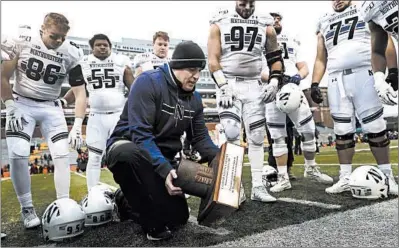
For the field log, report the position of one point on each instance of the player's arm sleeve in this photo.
(142, 113)
(76, 77)
(200, 140)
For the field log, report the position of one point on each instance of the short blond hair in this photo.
(56, 19)
(160, 34)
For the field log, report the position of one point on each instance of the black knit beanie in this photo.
(187, 54)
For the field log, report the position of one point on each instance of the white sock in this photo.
(282, 169)
(345, 170)
(386, 169)
(93, 170)
(256, 158)
(20, 177)
(310, 162)
(62, 176)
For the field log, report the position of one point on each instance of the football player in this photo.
(382, 19)
(41, 63)
(236, 42)
(296, 69)
(344, 38)
(107, 74)
(151, 60)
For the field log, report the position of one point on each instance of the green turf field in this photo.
(251, 218)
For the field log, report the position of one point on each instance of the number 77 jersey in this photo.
(105, 82)
(242, 42)
(347, 39)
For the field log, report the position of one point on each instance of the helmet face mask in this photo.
(368, 182)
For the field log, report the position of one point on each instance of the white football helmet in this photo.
(268, 172)
(368, 182)
(63, 218)
(98, 207)
(289, 98)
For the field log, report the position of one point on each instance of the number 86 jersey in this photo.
(242, 42)
(41, 71)
(105, 82)
(347, 39)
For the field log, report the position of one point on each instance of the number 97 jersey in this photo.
(347, 39)
(242, 42)
(105, 82)
(383, 13)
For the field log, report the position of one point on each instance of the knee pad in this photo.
(257, 136)
(59, 149)
(371, 124)
(378, 139)
(308, 142)
(94, 159)
(231, 129)
(279, 146)
(18, 147)
(347, 141)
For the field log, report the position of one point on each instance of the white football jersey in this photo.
(347, 39)
(383, 13)
(148, 61)
(242, 41)
(105, 81)
(41, 71)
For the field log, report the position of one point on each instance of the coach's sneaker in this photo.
(29, 217)
(393, 186)
(283, 183)
(159, 234)
(314, 173)
(260, 193)
(339, 187)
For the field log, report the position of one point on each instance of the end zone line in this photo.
(192, 219)
(310, 203)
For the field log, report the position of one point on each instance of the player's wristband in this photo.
(78, 122)
(64, 102)
(219, 78)
(379, 77)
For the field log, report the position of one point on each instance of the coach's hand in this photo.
(226, 96)
(75, 138)
(172, 190)
(14, 117)
(315, 93)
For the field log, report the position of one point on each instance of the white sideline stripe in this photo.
(310, 203)
(105, 184)
(192, 219)
(265, 163)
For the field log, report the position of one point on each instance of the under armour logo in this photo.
(59, 54)
(334, 80)
(179, 112)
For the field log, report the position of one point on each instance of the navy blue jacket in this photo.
(156, 115)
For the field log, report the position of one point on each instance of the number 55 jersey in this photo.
(347, 39)
(105, 82)
(41, 71)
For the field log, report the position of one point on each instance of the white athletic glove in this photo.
(269, 91)
(385, 91)
(14, 117)
(75, 135)
(226, 96)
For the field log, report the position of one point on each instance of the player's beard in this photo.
(278, 30)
